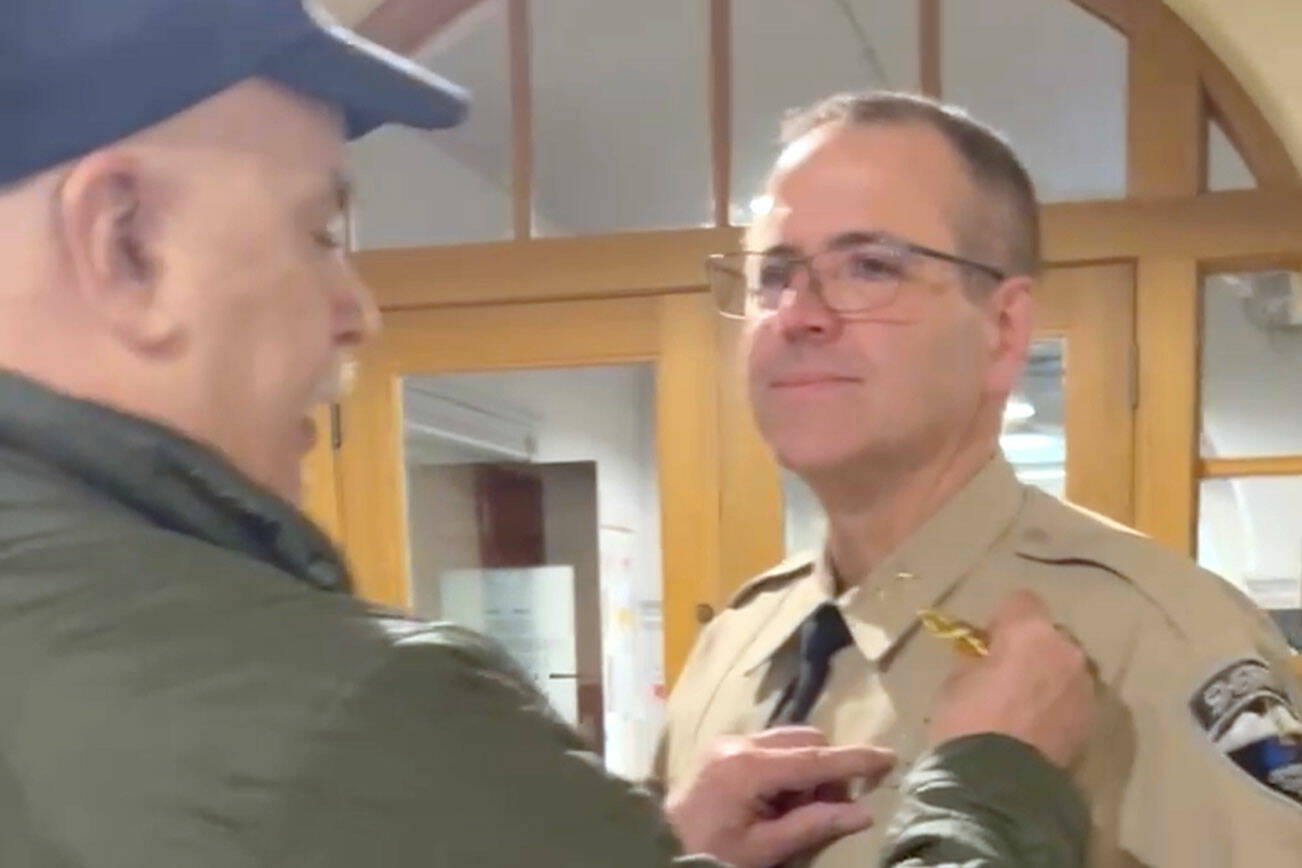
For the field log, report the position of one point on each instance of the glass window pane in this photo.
(1052, 77)
(534, 517)
(789, 55)
(1226, 169)
(1034, 437)
(1250, 532)
(417, 188)
(805, 523)
(1252, 364)
(620, 115)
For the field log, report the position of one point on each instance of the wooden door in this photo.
(671, 333)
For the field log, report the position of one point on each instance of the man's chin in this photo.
(813, 459)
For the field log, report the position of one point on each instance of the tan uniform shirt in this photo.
(1197, 682)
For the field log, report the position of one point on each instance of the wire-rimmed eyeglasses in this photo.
(856, 275)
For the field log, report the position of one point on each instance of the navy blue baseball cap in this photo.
(76, 75)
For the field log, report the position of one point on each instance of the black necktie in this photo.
(821, 635)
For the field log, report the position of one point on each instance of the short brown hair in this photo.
(1003, 226)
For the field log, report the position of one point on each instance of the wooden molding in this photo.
(687, 457)
(750, 502)
(640, 263)
(1244, 124)
(1166, 141)
(1218, 229)
(521, 63)
(320, 498)
(406, 25)
(721, 109)
(1095, 306)
(929, 47)
(1225, 468)
(1223, 230)
(1167, 305)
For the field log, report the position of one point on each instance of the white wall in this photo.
(446, 186)
(1250, 529)
(1226, 169)
(1052, 77)
(606, 415)
(411, 193)
(773, 74)
(1251, 379)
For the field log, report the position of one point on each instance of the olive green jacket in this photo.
(186, 681)
(987, 800)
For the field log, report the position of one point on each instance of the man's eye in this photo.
(871, 266)
(774, 275)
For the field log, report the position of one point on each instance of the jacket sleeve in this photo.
(987, 801)
(446, 755)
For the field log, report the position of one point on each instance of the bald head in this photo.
(192, 274)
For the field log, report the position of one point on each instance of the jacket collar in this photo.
(167, 479)
(881, 608)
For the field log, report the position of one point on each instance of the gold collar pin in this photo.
(966, 638)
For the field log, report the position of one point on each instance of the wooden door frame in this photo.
(674, 332)
(1092, 308)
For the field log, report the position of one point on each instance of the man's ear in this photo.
(1010, 326)
(104, 218)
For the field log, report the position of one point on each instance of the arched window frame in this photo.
(1168, 225)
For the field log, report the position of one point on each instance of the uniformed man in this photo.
(889, 307)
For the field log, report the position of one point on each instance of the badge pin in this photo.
(966, 638)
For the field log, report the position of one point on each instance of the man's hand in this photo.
(728, 808)
(1035, 685)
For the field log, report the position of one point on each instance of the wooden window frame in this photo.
(1168, 226)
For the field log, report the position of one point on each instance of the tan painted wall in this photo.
(1261, 42)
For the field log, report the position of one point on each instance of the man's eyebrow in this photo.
(841, 241)
(781, 250)
(859, 236)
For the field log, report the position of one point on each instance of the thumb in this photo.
(1017, 607)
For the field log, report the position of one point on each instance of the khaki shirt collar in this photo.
(881, 608)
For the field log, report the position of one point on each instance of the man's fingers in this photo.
(779, 770)
(960, 667)
(810, 826)
(789, 736)
(1018, 606)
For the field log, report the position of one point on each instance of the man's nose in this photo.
(802, 313)
(360, 315)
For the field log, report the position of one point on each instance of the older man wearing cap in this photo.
(185, 679)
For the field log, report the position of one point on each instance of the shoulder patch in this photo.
(788, 571)
(1248, 718)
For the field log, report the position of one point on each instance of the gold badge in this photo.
(966, 638)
